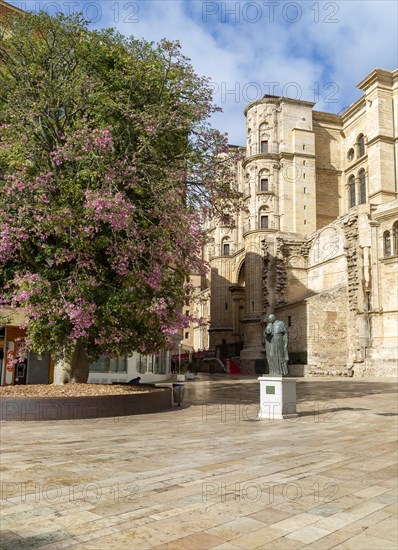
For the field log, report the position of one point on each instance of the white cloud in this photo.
(326, 48)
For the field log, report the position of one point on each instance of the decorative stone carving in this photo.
(297, 261)
(282, 253)
(366, 268)
(327, 245)
(265, 251)
(305, 248)
(351, 249)
(265, 199)
(288, 254)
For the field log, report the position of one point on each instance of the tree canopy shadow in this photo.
(248, 391)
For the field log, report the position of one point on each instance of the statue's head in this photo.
(271, 317)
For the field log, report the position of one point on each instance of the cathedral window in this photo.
(395, 237)
(361, 145)
(263, 221)
(350, 154)
(263, 184)
(264, 146)
(362, 187)
(387, 243)
(351, 191)
(225, 247)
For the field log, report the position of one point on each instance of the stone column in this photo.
(238, 300)
(253, 331)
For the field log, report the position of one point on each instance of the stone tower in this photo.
(318, 235)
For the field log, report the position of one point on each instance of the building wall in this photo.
(295, 317)
(8, 9)
(328, 328)
(327, 167)
(149, 368)
(319, 260)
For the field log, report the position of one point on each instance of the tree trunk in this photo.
(71, 364)
(63, 365)
(80, 370)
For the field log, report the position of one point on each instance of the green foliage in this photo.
(107, 169)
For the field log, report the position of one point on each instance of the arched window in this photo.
(362, 186)
(263, 180)
(351, 191)
(225, 247)
(264, 183)
(387, 243)
(350, 154)
(263, 218)
(361, 145)
(263, 137)
(395, 237)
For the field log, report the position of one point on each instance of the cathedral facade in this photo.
(317, 242)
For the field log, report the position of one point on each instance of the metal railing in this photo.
(255, 226)
(256, 150)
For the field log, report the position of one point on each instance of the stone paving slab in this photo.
(209, 474)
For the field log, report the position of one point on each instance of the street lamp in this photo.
(179, 358)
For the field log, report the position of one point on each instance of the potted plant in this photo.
(192, 369)
(181, 373)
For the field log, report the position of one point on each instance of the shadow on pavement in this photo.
(247, 391)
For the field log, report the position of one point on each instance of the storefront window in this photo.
(106, 364)
(118, 364)
(152, 364)
(99, 366)
(149, 367)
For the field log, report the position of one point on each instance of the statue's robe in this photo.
(276, 338)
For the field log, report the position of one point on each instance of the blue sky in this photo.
(312, 50)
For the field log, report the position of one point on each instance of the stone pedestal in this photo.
(277, 397)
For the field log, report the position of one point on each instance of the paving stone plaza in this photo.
(210, 475)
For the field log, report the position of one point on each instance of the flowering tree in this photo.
(108, 167)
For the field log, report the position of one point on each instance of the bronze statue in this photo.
(276, 337)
